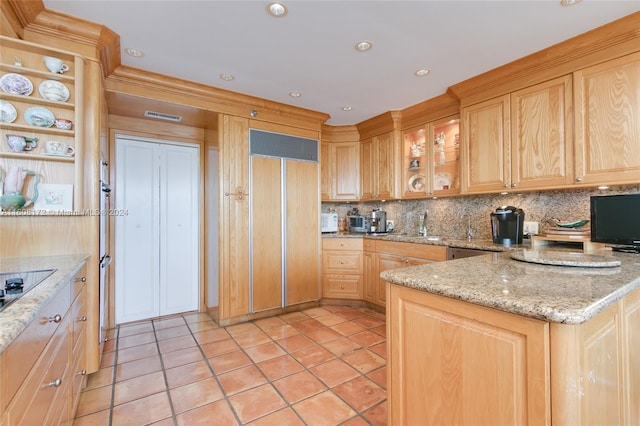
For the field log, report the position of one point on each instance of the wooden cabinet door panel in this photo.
(367, 168)
(370, 278)
(456, 363)
(541, 140)
(486, 157)
(607, 103)
(326, 175)
(342, 286)
(385, 170)
(346, 159)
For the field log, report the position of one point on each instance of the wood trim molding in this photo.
(383, 123)
(433, 109)
(340, 133)
(31, 21)
(604, 43)
(137, 82)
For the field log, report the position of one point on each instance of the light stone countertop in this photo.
(478, 244)
(17, 316)
(562, 294)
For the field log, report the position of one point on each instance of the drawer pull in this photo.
(341, 262)
(56, 318)
(56, 383)
(82, 280)
(81, 373)
(82, 318)
(341, 244)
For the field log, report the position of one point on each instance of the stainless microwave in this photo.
(359, 224)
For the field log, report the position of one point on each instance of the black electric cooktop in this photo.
(14, 285)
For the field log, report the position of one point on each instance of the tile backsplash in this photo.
(449, 217)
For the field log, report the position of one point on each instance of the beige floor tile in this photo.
(325, 409)
(136, 340)
(347, 328)
(368, 321)
(202, 326)
(257, 402)
(380, 349)
(281, 366)
(188, 373)
(312, 356)
(173, 332)
(252, 338)
(216, 413)
(379, 376)
(164, 422)
(364, 360)
(197, 317)
(181, 357)
(142, 411)
(238, 329)
(137, 368)
(169, 322)
(356, 421)
(195, 395)
(317, 312)
(138, 387)
(100, 418)
(361, 393)
(229, 361)
(367, 338)
(94, 400)
(241, 379)
(342, 346)
(176, 343)
(381, 330)
(264, 352)
(334, 372)
(323, 335)
(377, 415)
(299, 386)
(129, 330)
(307, 325)
(137, 352)
(295, 343)
(331, 319)
(292, 317)
(284, 417)
(266, 323)
(211, 335)
(282, 331)
(100, 378)
(220, 347)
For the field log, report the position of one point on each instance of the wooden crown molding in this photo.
(31, 21)
(383, 123)
(150, 85)
(442, 106)
(347, 133)
(610, 41)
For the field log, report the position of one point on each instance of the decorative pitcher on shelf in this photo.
(12, 198)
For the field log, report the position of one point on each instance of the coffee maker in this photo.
(378, 221)
(507, 224)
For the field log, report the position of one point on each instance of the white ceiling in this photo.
(311, 49)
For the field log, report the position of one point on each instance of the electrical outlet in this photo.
(530, 228)
(390, 225)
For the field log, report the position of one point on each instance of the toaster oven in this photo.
(359, 224)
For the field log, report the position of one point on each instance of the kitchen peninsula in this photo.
(492, 340)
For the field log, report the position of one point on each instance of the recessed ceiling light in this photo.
(569, 2)
(422, 72)
(277, 9)
(295, 94)
(227, 77)
(347, 108)
(363, 46)
(134, 52)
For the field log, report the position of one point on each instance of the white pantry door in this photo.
(157, 239)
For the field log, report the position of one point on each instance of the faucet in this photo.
(422, 224)
(469, 233)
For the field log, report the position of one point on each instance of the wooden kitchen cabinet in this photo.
(392, 255)
(377, 167)
(607, 117)
(340, 164)
(452, 362)
(431, 159)
(342, 268)
(519, 141)
(44, 369)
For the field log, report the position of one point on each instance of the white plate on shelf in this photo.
(441, 181)
(16, 84)
(8, 113)
(54, 91)
(417, 183)
(39, 116)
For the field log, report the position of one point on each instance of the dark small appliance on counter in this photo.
(615, 220)
(359, 224)
(507, 224)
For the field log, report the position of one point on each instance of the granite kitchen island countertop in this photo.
(562, 294)
(17, 316)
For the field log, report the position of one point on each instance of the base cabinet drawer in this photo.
(342, 286)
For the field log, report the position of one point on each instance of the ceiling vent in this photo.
(161, 116)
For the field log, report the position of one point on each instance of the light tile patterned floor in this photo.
(321, 366)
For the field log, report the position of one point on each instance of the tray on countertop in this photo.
(559, 258)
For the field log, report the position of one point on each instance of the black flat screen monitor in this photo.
(615, 220)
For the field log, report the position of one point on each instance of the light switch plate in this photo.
(530, 228)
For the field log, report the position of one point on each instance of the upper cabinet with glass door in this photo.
(431, 165)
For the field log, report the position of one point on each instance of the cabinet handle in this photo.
(579, 179)
(82, 318)
(55, 384)
(341, 244)
(513, 185)
(82, 280)
(341, 262)
(56, 318)
(239, 193)
(81, 373)
(506, 185)
(342, 286)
